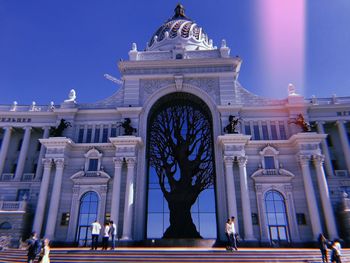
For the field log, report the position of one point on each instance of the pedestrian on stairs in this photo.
(234, 233)
(113, 233)
(105, 236)
(34, 247)
(322, 242)
(228, 233)
(95, 232)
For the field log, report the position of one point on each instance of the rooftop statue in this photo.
(301, 122)
(179, 11)
(71, 96)
(128, 129)
(233, 122)
(58, 131)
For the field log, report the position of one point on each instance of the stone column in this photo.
(4, 148)
(39, 169)
(230, 188)
(55, 199)
(325, 150)
(118, 163)
(44, 187)
(344, 143)
(310, 196)
(23, 153)
(325, 200)
(247, 214)
(129, 199)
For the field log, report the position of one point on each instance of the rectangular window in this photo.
(255, 219)
(105, 135)
(269, 162)
(256, 132)
(81, 135)
(88, 135)
(19, 146)
(34, 168)
(97, 135)
(274, 132)
(248, 131)
(65, 219)
(93, 164)
(14, 168)
(22, 194)
(114, 131)
(301, 219)
(282, 131)
(265, 132)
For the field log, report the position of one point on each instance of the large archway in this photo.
(181, 169)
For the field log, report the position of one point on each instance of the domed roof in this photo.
(179, 32)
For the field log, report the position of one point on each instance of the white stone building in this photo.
(283, 185)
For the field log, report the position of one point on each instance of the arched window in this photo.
(5, 226)
(88, 212)
(276, 217)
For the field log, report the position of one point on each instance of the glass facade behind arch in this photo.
(88, 210)
(276, 216)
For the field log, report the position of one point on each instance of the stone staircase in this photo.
(169, 255)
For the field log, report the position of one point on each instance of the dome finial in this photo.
(179, 11)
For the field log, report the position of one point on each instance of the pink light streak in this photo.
(281, 43)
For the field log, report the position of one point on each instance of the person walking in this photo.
(113, 233)
(34, 247)
(95, 232)
(234, 233)
(44, 255)
(228, 233)
(336, 252)
(105, 236)
(322, 242)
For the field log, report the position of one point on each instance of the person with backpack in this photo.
(34, 247)
(112, 233)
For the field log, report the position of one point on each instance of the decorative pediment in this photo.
(90, 178)
(272, 176)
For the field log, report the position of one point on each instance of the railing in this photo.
(28, 177)
(341, 172)
(92, 173)
(7, 177)
(270, 172)
(13, 206)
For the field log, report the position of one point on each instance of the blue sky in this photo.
(50, 47)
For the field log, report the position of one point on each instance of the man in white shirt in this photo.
(233, 233)
(95, 232)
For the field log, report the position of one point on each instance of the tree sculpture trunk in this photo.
(181, 223)
(180, 152)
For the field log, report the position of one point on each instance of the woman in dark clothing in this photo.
(322, 242)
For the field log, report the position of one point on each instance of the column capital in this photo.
(27, 128)
(59, 162)
(118, 162)
(229, 160)
(8, 128)
(340, 122)
(304, 159)
(130, 161)
(242, 161)
(47, 162)
(320, 122)
(318, 159)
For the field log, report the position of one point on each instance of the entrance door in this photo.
(87, 214)
(278, 235)
(276, 218)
